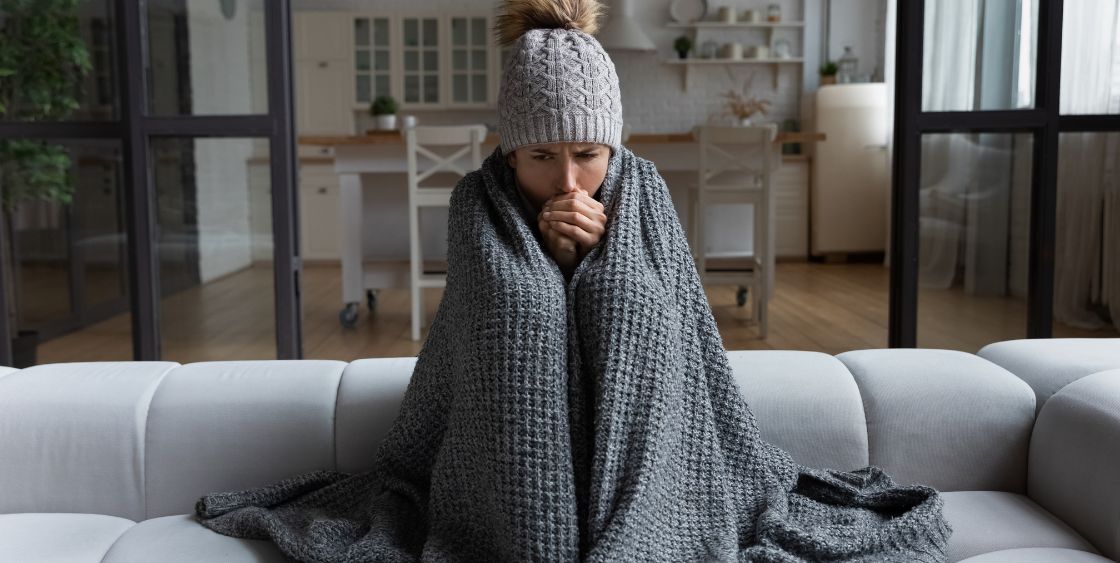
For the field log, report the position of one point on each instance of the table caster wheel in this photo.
(348, 316)
(741, 296)
(371, 301)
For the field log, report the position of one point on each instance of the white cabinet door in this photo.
(323, 100)
(320, 36)
(319, 217)
(791, 209)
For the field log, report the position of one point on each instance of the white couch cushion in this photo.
(1038, 555)
(5, 370)
(805, 403)
(181, 539)
(226, 426)
(1050, 364)
(943, 418)
(369, 399)
(985, 521)
(58, 538)
(1075, 458)
(72, 437)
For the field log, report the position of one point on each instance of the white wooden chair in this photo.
(432, 150)
(736, 164)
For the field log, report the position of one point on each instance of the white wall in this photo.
(219, 66)
(861, 25)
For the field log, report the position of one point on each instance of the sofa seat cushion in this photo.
(181, 539)
(1038, 555)
(987, 521)
(58, 537)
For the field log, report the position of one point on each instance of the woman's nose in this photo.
(569, 176)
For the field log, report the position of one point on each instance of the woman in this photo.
(573, 400)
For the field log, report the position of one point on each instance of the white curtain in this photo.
(1087, 255)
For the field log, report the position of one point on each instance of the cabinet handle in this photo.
(322, 64)
(322, 190)
(324, 150)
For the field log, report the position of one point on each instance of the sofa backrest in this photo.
(145, 439)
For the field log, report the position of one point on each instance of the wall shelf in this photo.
(688, 64)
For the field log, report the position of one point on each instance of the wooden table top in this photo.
(395, 138)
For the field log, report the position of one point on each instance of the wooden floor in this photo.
(829, 308)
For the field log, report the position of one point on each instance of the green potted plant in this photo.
(828, 73)
(683, 45)
(384, 110)
(42, 62)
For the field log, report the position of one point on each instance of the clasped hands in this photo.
(571, 224)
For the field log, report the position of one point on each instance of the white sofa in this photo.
(104, 461)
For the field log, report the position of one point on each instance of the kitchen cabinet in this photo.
(319, 234)
(323, 75)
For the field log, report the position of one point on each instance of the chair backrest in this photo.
(741, 157)
(432, 149)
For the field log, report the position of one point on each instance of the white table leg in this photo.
(350, 200)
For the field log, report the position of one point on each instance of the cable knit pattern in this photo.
(589, 420)
(559, 86)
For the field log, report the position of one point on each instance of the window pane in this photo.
(381, 32)
(381, 60)
(974, 234)
(1090, 57)
(214, 202)
(361, 83)
(971, 48)
(431, 60)
(1087, 241)
(361, 31)
(458, 31)
(411, 61)
(431, 89)
(361, 60)
(459, 88)
(381, 85)
(411, 32)
(412, 88)
(71, 77)
(459, 60)
(431, 33)
(478, 60)
(71, 257)
(478, 31)
(479, 85)
(207, 57)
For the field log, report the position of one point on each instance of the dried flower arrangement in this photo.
(741, 105)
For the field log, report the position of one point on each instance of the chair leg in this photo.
(414, 267)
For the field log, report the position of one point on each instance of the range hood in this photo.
(622, 33)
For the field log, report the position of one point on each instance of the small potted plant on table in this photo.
(384, 110)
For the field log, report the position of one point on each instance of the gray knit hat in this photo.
(559, 84)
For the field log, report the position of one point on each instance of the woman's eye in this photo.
(541, 157)
(588, 155)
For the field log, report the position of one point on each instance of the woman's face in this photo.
(545, 171)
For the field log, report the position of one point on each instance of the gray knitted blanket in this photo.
(594, 419)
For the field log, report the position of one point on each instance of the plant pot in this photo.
(745, 122)
(683, 54)
(23, 348)
(828, 79)
(387, 122)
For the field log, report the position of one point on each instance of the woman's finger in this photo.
(589, 224)
(584, 238)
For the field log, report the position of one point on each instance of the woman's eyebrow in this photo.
(544, 151)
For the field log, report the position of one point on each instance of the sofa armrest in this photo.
(1074, 465)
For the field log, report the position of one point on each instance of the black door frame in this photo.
(135, 129)
(1043, 121)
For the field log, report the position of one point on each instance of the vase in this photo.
(745, 122)
(387, 122)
